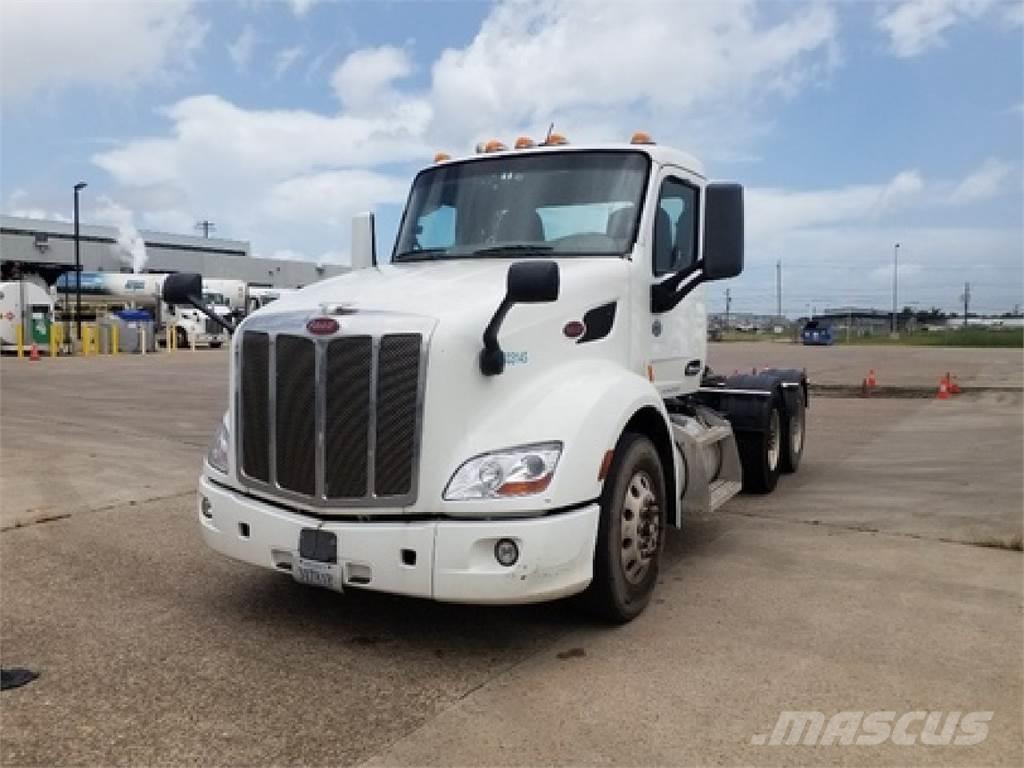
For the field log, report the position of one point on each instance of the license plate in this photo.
(317, 560)
(316, 574)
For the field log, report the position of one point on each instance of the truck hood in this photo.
(451, 289)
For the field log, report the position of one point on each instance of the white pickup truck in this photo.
(517, 407)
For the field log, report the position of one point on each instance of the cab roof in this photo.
(659, 154)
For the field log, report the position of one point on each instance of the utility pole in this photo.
(78, 266)
(895, 285)
(966, 297)
(778, 289)
(206, 226)
(728, 304)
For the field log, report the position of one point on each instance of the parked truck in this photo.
(518, 406)
(24, 303)
(143, 290)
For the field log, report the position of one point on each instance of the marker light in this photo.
(555, 140)
(442, 157)
(641, 137)
(524, 142)
(494, 146)
(522, 471)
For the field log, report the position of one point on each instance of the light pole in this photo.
(895, 283)
(78, 267)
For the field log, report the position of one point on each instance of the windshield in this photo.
(552, 203)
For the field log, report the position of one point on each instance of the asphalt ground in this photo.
(880, 577)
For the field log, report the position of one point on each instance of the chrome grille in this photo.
(330, 421)
(213, 327)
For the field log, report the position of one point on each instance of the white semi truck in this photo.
(143, 290)
(517, 407)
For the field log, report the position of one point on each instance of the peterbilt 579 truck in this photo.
(517, 407)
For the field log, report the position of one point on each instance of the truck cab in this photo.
(517, 406)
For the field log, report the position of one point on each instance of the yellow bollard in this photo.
(172, 338)
(115, 339)
(194, 335)
(19, 338)
(54, 343)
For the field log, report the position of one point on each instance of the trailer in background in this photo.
(24, 303)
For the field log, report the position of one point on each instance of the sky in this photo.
(853, 126)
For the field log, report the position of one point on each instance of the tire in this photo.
(626, 567)
(794, 428)
(180, 338)
(761, 453)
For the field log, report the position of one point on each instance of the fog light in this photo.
(206, 508)
(506, 552)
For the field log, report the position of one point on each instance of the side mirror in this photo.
(528, 282)
(364, 241)
(532, 282)
(723, 231)
(183, 288)
(186, 289)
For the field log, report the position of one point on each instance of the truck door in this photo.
(678, 342)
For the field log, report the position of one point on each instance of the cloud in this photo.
(242, 48)
(332, 196)
(288, 178)
(285, 59)
(301, 7)
(983, 184)
(365, 77)
(55, 45)
(915, 26)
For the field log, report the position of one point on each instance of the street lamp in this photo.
(78, 267)
(895, 283)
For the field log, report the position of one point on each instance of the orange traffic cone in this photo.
(943, 393)
(954, 387)
(34, 354)
(872, 382)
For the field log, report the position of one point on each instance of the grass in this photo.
(953, 337)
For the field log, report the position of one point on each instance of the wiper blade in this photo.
(512, 249)
(420, 254)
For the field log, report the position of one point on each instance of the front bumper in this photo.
(453, 560)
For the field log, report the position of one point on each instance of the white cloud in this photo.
(242, 48)
(984, 183)
(287, 179)
(332, 196)
(915, 26)
(52, 45)
(365, 77)
(285, 59)
(301, 7)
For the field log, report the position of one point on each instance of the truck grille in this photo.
(329, 421)
(213, 327)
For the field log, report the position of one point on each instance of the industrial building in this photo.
(47, 248)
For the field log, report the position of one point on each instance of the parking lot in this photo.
(883, 576)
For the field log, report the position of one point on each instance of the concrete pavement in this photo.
(855, 586)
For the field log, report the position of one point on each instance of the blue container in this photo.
(134, 315)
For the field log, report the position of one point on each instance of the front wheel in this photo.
(631, 531)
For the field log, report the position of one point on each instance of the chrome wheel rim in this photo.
(640, 528)
(774, 433)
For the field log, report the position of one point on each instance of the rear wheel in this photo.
(761, 453)
(794, 426)
(631, 531)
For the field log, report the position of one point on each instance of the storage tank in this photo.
(111, 288)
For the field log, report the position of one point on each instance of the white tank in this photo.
(142, 290)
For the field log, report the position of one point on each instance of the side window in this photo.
(437, 228)
(675, 227)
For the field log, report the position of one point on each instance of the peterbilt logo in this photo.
(322, 326)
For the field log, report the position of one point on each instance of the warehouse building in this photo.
(47, 248)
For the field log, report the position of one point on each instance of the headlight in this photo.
(217, 456)
(521, 471)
